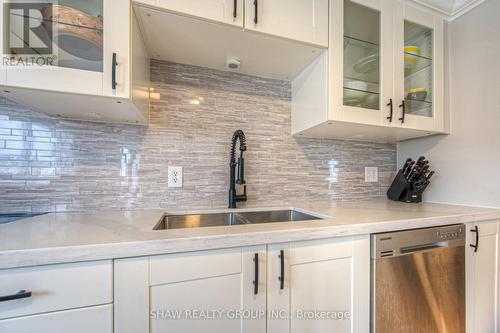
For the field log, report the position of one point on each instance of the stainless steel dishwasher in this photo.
(418, 281)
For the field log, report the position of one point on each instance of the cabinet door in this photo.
(192, 292)
(419, 69)
(68, 46)
(319, 286)
(225, 11)
(117, 41)
(482, 277)
(361, 45)
(301, 20)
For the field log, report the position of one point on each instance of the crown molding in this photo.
(448, 9)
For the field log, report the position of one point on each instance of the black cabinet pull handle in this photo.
(282, 276)
(476, 231)
(235, 8)
(21, 294)
(404, 111)
(256, 6)
(256, 280)
(392, 110)
(113, 72)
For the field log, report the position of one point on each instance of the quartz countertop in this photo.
(72, 237)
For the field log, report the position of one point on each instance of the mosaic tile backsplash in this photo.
(49, 164)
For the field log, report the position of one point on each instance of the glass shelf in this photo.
(361, 42)
(418, 108)
(361, 60)
(361, 98)
(415, 63)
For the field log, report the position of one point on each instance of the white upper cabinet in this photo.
(288, 35)
(225, 11)
(301, 20)
(72, 46)
(384, 57)
(298, 20)
(365, 42)
(80, 53)
(419, 69)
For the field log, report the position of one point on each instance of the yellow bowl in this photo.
(411, 91)
(412, 50)
(417, 94)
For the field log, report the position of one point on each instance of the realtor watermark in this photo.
(247, 314)
(28, 36)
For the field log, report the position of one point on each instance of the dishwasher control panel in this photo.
(405, 242)
(455, 232)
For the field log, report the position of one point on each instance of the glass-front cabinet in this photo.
(75, 46)
(386, 65)
(419, 69)
(361, 93)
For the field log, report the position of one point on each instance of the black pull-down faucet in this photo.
(233, 197)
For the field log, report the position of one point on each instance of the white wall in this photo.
(467, 162)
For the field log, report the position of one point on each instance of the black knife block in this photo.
(403, 190)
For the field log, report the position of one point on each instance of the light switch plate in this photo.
(371, 174)
(174, 176)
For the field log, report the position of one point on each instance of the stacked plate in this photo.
(361, 94)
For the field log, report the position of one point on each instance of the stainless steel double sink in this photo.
(236, 218)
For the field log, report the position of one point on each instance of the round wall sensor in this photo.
(233, 64)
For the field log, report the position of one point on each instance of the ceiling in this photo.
(450, 9)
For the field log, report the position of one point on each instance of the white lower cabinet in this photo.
(325, 286)
(192, 292)
(241, 289)
(482, 262)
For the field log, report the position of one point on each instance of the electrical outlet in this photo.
(174, 176)
(371, 174)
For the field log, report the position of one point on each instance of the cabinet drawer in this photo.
(56, 287)
(194, 265)
(95, 319)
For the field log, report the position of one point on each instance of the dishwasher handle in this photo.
(423, 247)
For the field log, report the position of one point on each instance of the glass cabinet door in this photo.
(420, 69)
(66, 33)
(67, 45)
(361, 56)
(361, 61)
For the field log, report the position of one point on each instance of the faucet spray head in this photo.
(240, 180)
